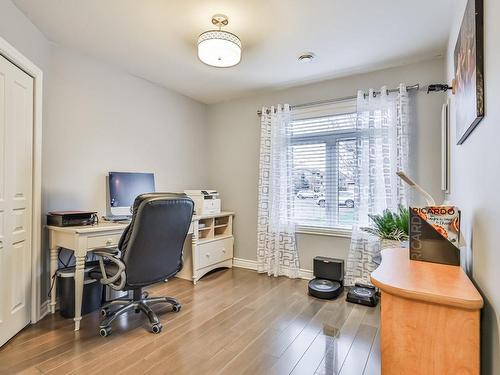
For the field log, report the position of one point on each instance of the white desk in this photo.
(203, 257)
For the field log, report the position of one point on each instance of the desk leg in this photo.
(54, 263)
(79, 276)
(194, 250)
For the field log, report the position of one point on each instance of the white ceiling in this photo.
(156, 39)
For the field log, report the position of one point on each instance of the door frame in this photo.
(17, 58)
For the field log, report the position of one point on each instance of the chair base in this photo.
(140, 303)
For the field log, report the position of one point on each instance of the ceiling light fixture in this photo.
(219, 48)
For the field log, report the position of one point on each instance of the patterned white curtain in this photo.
(276, 248)
(382, 150)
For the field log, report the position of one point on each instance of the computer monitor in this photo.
(124, 187)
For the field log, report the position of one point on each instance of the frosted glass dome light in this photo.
(219, 48)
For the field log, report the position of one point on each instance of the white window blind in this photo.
(324, 142)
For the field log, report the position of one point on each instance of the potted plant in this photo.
(390, 227)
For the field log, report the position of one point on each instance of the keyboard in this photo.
(117, 218)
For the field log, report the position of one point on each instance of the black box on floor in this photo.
(363, 294)
(92, 293)
(328, 268)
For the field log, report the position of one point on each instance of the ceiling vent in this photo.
(306, 57)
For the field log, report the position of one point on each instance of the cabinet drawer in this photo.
(215, 251)
(109, 240)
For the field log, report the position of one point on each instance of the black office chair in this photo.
(150, 252)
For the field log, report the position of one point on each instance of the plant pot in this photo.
(388, 244)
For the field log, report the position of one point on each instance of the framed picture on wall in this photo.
(469, 84)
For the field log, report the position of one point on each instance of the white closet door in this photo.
(16, 139)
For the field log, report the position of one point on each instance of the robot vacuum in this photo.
(325, 289)
(329, 281)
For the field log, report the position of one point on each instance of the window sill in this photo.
(321, 231)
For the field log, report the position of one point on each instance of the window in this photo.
(324, 142)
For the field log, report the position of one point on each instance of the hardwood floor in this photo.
(232, 322)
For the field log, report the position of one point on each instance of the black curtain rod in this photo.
(345, 98)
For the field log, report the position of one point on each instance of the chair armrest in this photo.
(120, 276)
(109, 250)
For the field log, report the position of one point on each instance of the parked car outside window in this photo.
(346, 199)
(304, 194)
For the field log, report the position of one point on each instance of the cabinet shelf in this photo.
(215, 227)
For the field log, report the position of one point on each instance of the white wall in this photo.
(99, 118)
(102, 119)
(475, 184)
(23, 35)
(234, 148)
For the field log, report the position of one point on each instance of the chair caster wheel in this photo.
(106, 313)
(105, 331)
(156, 328)
(137, 311)
(176, 307)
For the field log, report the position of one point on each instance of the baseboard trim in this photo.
(44, 309)
(245, 263)
(252, 265)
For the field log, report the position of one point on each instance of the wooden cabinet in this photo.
(211, 245)
(429, 317)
